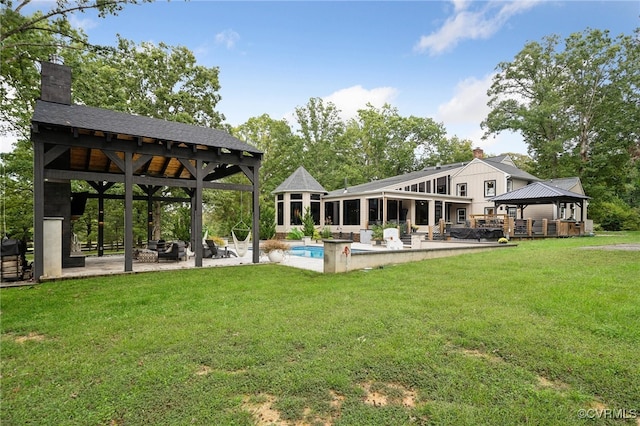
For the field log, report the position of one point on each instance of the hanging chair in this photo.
(241, 245)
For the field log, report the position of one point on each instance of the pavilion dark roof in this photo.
(119, 123)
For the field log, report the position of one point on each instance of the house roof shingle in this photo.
(300, 181)
(114, 122)
(393, 181)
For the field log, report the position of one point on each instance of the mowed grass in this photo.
(544, 333)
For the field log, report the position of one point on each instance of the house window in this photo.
(509, 185)
(315, 212)
(438, 211)
(280, 212)
(332, 213)
(489, 188)
(296, 213)
(428, 186)
(512, 212)
(392, 210)
(422, 212)
(461, 190)
(375, 213)
(441, 185)
(490, 211)
(461, 215)
(421, 187)
(414, 187)
(351, 212)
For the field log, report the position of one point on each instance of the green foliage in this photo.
(615, 215)
(326, 233)
(267, 222)
(181, 220)
(295, 234)
(282, 150)
(308, 224)
(576, 103)
(161, 81)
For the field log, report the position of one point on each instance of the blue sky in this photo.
(426, 58)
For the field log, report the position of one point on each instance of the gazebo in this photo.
(538, 193)
(104, 147)
(541, 193)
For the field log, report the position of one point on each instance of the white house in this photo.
(457, 194)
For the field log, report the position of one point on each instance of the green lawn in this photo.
(545, 333)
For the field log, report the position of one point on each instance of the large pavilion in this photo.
(104, 147)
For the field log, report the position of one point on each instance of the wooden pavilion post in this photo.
(196, 208)
(128, 211)
(38, 208)
(256, 213)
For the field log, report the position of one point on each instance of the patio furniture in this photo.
(146, 256)
(218, 252)
(175, 251)
(13, 264)
(392, 237)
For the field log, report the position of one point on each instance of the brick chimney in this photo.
(478, 153)
(55, 83)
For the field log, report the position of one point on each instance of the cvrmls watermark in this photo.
(609, 413)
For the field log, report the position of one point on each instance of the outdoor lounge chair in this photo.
(175, 251)
(392, 238)
(218, 252)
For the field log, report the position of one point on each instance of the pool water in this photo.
(308, 251)
(316, 252)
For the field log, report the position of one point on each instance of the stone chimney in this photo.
(478, 153)
(55, 83)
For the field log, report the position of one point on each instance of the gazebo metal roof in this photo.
(538, 193)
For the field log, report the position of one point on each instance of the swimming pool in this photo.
(316, 252)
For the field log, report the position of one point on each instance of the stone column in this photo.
(337, 256)
(52, 242)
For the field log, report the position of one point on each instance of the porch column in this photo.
(432, 212)
(384, 209)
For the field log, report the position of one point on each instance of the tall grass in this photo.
(546, 333)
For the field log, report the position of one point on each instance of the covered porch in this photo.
(413, 213)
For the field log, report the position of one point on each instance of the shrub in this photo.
(308, 224)
(295, 234)
(615, 215)
(267, 223)
(326, 233)
(272, 245)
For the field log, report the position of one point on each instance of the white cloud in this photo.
(82, 23)
(6, 142)
(351, 99)
(469, 102)
(228, 38)
(471, 24)
(464, 112)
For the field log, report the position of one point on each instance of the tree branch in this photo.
(30, 24)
